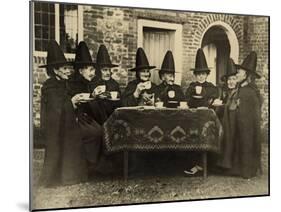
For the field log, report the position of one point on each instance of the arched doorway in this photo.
(219, 42)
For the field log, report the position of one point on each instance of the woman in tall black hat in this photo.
(80, 88)
(227, 89)
(63, 162)
(106, 87)
(248, 116)
(201, 93)
(140, 90)
(227, 116)
(168, 92)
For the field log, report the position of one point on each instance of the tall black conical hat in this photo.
(200, 62)
(55, 56)
(250, 64)
(230, 70)
(141, 61)
(103, 59)
(83, 56)
(168, 64)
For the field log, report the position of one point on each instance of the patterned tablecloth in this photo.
(148, 129)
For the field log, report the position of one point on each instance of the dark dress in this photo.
(91, 131)
(229, 154)
(209, 92)
(163, 90)
(248, 132)
(106, 106)
(64, 163)
(128, 98)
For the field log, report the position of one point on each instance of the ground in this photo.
(153, 185)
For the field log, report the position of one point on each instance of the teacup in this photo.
(198, 89)
(171, 94)
(113, 94)
(159, 104)
(100, 89)
(183, 105)
(217, 102)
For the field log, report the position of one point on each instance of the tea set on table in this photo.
(100, 91)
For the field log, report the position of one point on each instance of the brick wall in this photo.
(117, 29)
(39, 76)
(256, 39)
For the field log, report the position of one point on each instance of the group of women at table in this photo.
(79, 96)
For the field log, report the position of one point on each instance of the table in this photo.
(155, 129)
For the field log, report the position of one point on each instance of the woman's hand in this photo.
(80, 98)
(148, 98)
(93, 95)
(140, 87)
(104, 95)
(75, 100)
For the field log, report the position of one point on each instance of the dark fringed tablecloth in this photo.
(155, 129)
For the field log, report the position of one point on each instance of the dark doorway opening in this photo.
(216, 47)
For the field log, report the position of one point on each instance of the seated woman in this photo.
(82, 95)
(106, 88)
(63, 164)
(167, 92)
(140, 90)
(201, 93)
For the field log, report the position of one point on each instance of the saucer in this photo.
(110, 99)
(197, 97)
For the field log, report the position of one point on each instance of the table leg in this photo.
(126, 165)
(204, 158)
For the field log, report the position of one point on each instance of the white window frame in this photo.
(177, 45)
(57, 30)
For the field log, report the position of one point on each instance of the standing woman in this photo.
(63, 164)
(227, 114)
(227, 89)
(248, 117)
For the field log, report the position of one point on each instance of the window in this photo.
(56, 21)
(156, 42)
(68, 27)
(156, 38)
(44, 21)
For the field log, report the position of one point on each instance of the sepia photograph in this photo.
(137, 105)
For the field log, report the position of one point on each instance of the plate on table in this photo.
(148, 107)
(197, 97)
(159, 107)
(181, 107)
(110, 99)
(202, 108)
